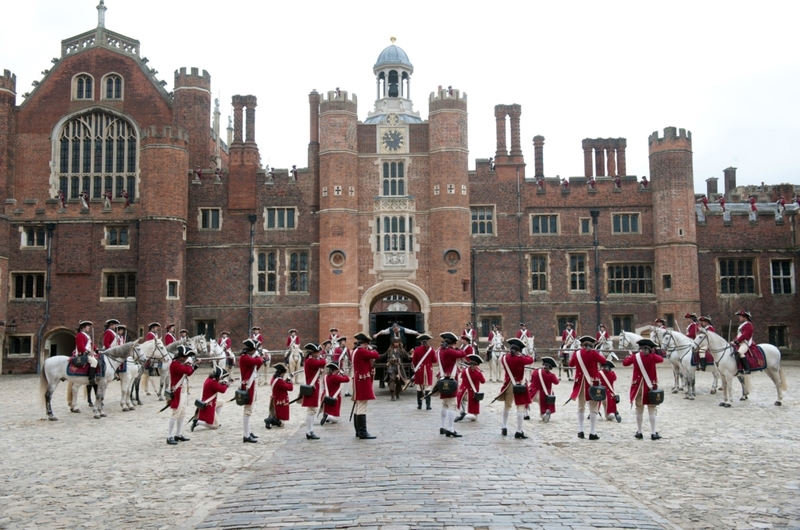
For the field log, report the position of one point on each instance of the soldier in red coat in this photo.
(334, 336)
(84, 345)
(471, 380)
(292, 342)
(181, 367)
(644, 379)
(169, 336)
(256, 335)
(744, 338)
(333, 388)
(121, 335)
(721, 201)
(704, 201)
(448, 357)
(363, 373)
(469, 332)
(541, 386)
(152, 331)
(586, 362)
(249, 363)
(281, 384)
(608, 378)
(313, 367)
(110, 334)
(645, 182)
(513, 365)
(340, 349)
(422, 359)
(213, 385)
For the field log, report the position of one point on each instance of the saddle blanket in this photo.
(756, 358)
(122, 368)
(696, 359)
(84, 370)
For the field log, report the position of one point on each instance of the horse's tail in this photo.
(43, 386)
(69, 393)
(784, 386)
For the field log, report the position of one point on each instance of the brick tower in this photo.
(192, 112)
(164, 154)
(449, 270)
(338, 213)
(8, 91)
(674, 233)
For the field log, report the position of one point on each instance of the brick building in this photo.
(385, 224)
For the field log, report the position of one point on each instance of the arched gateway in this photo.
(394, 301)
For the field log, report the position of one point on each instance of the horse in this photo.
(133, 370)
(564, 355)
(496, 350)
(678, 382)
(55, 371)
(724, 358)
(294, 360)
(197, 343)
(394, 373)
(680, 346)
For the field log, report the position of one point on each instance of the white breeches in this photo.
(361, 407)
(180, 412)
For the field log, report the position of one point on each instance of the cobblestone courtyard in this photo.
(714, 467)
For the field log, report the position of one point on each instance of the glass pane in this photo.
(270, 217)
(112, 236)
(290, 218)
(634, 223)
(304, 261)
(111, 286)
(262, 262)
(131, 285)
(123, 236)
(293, 261)
(616, 223)
(281, 218)
(271, 261)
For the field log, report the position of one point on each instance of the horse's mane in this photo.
(120, 352)
(173, 348)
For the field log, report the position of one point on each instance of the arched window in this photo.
(393, 84)
(112, 87)
(97, 151)
(83, 87)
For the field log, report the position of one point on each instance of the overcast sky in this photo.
(728, 71)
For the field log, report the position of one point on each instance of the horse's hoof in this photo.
(160, 398)
(722, 404)
(713, 391)
(674, 391)
(76, 411)
(686, 397)
(777, 403)
(103, 415)
(97, 416)
(139, 403)
(53, 418)
(691, 398)
(742, 398)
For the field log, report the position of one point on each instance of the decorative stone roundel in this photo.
(338, 258)
(452, 257)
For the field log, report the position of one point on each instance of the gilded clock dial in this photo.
(392, 140)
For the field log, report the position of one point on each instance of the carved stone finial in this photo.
(101, 14)
(392, 39)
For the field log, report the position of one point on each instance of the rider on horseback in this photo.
(744, 338)
(85, 346)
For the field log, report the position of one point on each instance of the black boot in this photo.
(357, 424)
(428, 403)
(746, 365)
(419, 400)
(364, 435)
(92, 373)
(703, 363)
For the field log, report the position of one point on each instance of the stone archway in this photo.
(380, 290)
(59, 341)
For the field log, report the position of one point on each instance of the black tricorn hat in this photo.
(362, 337)
(424, 336)
(587, 338)
(333, 365)
(646, 342)
(311, 347)
(516, 343)
(249, 345)
(549, 361)
(280, 368)
(449, 337)
(609, 364)
(475, 358)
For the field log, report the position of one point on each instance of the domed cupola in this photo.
(393, 72)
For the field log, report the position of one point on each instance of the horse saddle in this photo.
(79, 365)
(756, 358)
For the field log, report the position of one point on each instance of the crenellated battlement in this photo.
(445, 94)
(166, 132)
(673, 137)
(8, 81)
(342, 96)
(192, 79)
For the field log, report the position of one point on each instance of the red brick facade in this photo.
(385, 222)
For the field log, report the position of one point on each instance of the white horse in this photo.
(564, 356)
(681, 347)
(126, 379)
(55, 371)
(723, 354)
(293, 359)
(678, 383)
(197, 343)
(498, 351)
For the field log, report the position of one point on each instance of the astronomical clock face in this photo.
(392, 140)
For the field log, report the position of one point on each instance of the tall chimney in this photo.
(711, 187)
(730, 180)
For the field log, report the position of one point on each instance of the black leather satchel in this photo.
(597, 392)
(655, 397)
(478, 396)
(520, 389)
(448, 386)
(550, 399)
(306, 390)
(200, 404)
(242, 397)
(330, 400)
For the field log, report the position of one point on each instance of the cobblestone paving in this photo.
(714, 468)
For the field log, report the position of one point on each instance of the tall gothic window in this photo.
(394, 233)
(82, 86)
(97, 148)
(394, 179)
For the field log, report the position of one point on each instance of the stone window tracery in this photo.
(112, 86)
(83, 87)
(394, 179)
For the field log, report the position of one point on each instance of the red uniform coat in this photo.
(691, 331)
(247, 364)
(745, 333)
(280, 397)
(516, 364)
(292, 340)
(109, 339)
(210, 388)
(362, 373)
(637, 381)
(592, 359)
(448, 357)
(83, 344)
(523, 334)
(423, 373)
(150, 336)
(312, 367)
(176, 372)
(469, 333)
(225, 343)
(259, 337)
(535, 387)
(169, 338)
(332, 384)
(464, 388)
(608, 382)
(602, 335)
(568, 335)
(710, 328)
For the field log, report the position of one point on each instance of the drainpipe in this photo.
(252, 218)
(519, 245)
(474, 289)
(595, 214)
(50, 227)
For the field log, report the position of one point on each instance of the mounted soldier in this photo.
(744, 338)
(84, 345)
(169, 336)
(110, 334)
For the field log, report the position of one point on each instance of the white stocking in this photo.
(639, 418)
(444, 418)
(505, 417)
(652, 423)
(333, 419)
(520, 416)
(471, 417)
(580, 421)
(451, 416)
(246, 425)
(592, 422)
(179, 426)
(171, 426)
(309, 423)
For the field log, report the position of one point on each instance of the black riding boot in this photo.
(428, 403)
(92, 373)
(364, 435)
(419, 400)
(703, 362)
(746, 365)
